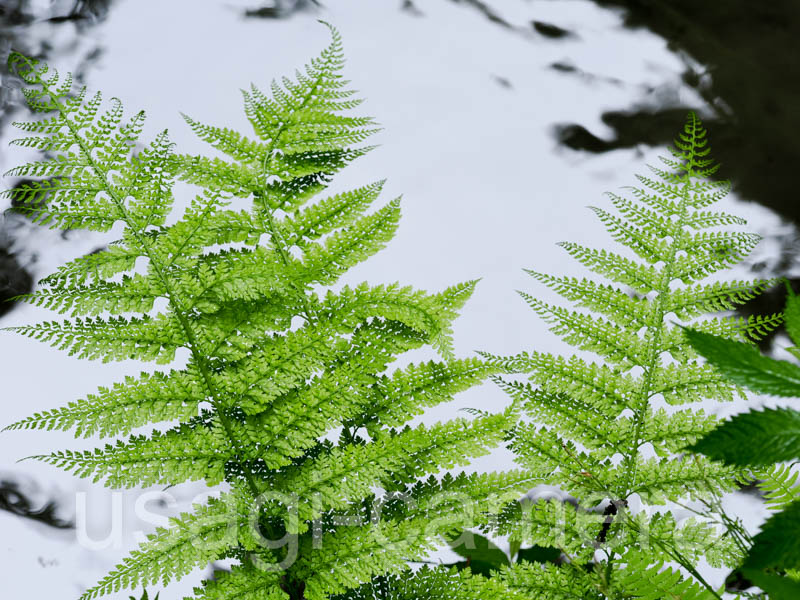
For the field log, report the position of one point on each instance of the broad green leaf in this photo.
(754, 438)
(792, 316)
(777, 545)
(744, 365)
(777, 586)
(481, 555)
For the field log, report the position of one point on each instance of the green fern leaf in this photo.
(125, 406)
(186, 453)
(777, 545)
(242, 583)
(755, 438)
(655, 582)
(273, 363)
(780, 485)
(192, 540)
(607, 433)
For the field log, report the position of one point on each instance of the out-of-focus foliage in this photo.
(763, 439)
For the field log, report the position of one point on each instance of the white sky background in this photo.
(486, 191)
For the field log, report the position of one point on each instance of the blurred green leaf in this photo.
(778, 587)
(777, 545)
(481, 555)
(744, 365)
(792, 317)
(755, 438)
(514, 547)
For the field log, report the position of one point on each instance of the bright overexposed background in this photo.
(468, 108)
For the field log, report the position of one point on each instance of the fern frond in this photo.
(242, 583)
(190, 452)
(101, 264)
(125, 406)
(134, 293)
(695, 539)
(605, 299)
(343, 567)
(192, 540)
(689, 382)
(660, 479)
(442, 582)
(671, 431)
(403, 395)
(549, 581)
(569, 412)
(344, 474)
(605, 388)
(642, 278)
(605, 432)
(303, 137)
(114, 338)
(274, 361)
(616, 344)
(699, 300)
(328, 215)
(324, 263)
(655, 582)
(644, 243)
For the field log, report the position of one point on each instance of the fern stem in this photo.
(279, 243)
(269, 225)
(654, 351)
(655, 330)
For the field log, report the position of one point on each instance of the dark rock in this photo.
(749, 51)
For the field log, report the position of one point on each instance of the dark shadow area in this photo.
(503, 82)
(743, 59)
(487, 11)
(14, 280)
(750, 55)
(551, 31)
(27, 27)
(648, 127)
(15, 501)
(410, 8)
(281, 9)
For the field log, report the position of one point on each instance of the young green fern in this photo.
(274, 363)
(610, 432)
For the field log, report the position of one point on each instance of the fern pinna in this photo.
(610, 432)
(276, 365)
